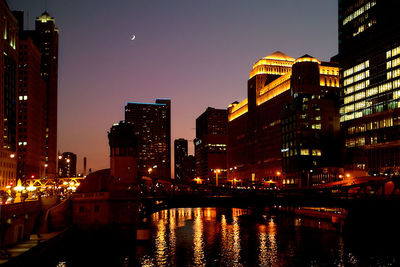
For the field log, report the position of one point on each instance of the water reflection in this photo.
(268, 251)
(234, 237)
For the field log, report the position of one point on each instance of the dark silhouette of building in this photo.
(262, 139)
(152, 123)
(31, 107)
(189, 168)
(109, 197)
(210, 145)
(123, 153)
(180, 153)
(67, 164)
(369, 50)
(8, 85)
(46, 38)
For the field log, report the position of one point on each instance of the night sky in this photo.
(197, 52)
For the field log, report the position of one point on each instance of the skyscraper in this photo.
(31, 107)
(210, 145)
(46, 35)
(152, 123)
(180, 152)
(8, 84)
(369, 50)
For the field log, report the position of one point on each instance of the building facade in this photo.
(262, 143)
(152, 122)
(8, 89)
(210, 145)
(46, 38)
(369, 57)
(180, 153)
(67, 165)
(31, 107)
(189, 168)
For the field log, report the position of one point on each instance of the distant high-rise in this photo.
(369, 58)
(152, 123)
(67, 164)
(46, 35)
(8, 84)
(180, 152)
(210, 144)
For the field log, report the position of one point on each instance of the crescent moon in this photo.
(133, 37)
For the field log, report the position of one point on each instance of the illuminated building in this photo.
(31, 107)
(152, 123)
(369, 58)
(259, 139)
(311, 140)
(210, 144)
(67, 164)
(46, 38)
(8, 84)
(180, 153)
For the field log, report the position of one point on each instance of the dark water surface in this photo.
(230, 237)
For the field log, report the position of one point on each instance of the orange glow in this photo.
(277, 87)
(237, 110)
(348, 175)
(307, 59)
(277, 64)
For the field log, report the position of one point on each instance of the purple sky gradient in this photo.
(198, 53)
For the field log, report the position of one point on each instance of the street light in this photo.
(217, 171)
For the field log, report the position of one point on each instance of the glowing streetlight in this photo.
(150, 170)
(12, 155)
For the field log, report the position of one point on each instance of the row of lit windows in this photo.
(356, 68)
(364, 27)
(356, 78)
(373, 91)
(393, 63)
(373, 125)
(23, 97)
(352, 142)
(22, 143)
(359, 12)
(369, 110)
(393, 74)
(392, 53)
(313, 152)
(303, 152)
(356, 87)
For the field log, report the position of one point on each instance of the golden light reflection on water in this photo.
(198, 243)
(268, 250)
(172, 234)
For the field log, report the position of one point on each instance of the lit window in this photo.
(304, 152)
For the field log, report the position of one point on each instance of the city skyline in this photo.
(211, 59)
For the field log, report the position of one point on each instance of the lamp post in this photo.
(217, 171)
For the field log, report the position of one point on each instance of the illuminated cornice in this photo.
(275, 64)
(274, 88)
(238, 109)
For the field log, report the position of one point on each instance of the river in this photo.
(230, 237)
